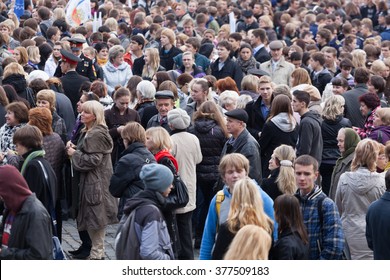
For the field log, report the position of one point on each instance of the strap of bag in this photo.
(218, 201)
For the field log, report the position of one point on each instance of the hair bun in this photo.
(286, 162)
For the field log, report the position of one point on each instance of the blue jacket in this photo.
(210, 228)
(385, 35)
(331, 237)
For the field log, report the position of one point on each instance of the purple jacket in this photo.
(380, 134)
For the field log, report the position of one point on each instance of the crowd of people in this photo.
(262, 138)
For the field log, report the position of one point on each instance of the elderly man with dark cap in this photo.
(164, 100)
(243, 142)
(149, 230)
(186, 149)
(71, 81)
(26, 225)
(278, 68)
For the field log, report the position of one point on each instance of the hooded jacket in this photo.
(31, 232)
(355, 192)
(92, 159)
(116, 76)
(150, 226)
(310, 137)
(380, 134)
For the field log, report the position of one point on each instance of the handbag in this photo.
(58, 252)
(178, 198)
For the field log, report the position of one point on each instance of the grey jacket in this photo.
(116, 76)
(355, 192)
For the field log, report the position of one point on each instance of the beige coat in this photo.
(97, 207)
(186, 150)
(282, 73)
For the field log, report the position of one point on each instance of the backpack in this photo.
(126, 241)
(218, 201)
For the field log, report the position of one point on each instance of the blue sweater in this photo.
(210, 228)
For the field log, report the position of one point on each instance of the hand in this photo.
(10, 152)
(119, 129)
(69, 144)
(70, 151)
(1, 157)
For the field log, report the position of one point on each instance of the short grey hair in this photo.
(146, 90)
(114, 52)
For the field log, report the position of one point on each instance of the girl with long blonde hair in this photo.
(152, 63)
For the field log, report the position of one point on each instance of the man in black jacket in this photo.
(257, 39)
(320, 76)
(309, 135)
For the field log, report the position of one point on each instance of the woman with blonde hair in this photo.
(359, 58)
(246, 208)
(223, 33)
(168, 50)
(33, 56)
(250, 243)
(381, 130)
(356, 190)
(152, 64)
(46, 98)
(281, 180)
(21, 56)
(267, 24)
(91, 159)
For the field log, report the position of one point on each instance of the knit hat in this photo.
(37, 74)
(156, 177)
(179, 118)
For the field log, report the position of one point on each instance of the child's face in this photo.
(338, 89)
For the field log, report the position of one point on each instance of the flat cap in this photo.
(276, 45)
(69, 57)
(247, 13)
(164, 94)
(238, 114)
(257, 72)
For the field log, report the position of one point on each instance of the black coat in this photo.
(262, 55)
(125, 182)
(270, 186)
(289, 247)
(138, 66)
(330, 129)
(211, 140)
(256, 118)
(65, 110)
(2, 115)
(230, 69)
(166, 59)
(321, 80)
(84, 68)
(224, 239)
(352, 105)
(71, 82)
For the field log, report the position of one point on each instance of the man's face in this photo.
(179, 11)
(232, 175)
(233, 126)
(192, 6)
(188, 30)
(305, 178)
(248, 20)
(297, 105)
(329, 59)
(297, 63)
(223, 53)
(134, 46)
(253, 40)
(64, 67)
(265, 90)
(276, 54)
(235, 44)
(385, 52)
(164, 106)
(313, 64)
(257, 9)
(320, 40)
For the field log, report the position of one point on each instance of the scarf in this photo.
(246, 65)
(101, 61)
(350, 143)
(165, 153)
(35, 154)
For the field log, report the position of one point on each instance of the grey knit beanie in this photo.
(156, 177)
(179, 119)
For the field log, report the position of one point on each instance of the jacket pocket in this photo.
(93, 193)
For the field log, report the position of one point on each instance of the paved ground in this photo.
(71, 240)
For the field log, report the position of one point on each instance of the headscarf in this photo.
(350, 142)
(13, 188)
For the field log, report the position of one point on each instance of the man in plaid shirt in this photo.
(326, 238)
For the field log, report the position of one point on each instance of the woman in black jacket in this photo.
(168, 50)
(125, 182)
(210, 128)
(333, 122)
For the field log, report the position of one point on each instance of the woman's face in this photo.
(83, 99)
(245, 54)
(167, 191)
(197, 93)
(103, 54)
(87, 118)
(4, 30)
(382, 161)
(154, 81)
(188, 61)
(149, 142)
(341, 141)
(57, 51)
(43, 103)
(17, 55)
(147, 58)
(164, 40)
(272, 164)
(364, 109)
(122, 103)
(377, 120)
(292, 80)
(118, 60)
(20, 149)
(10, 118)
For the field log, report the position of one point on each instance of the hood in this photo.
(14, 192)
(111, 68)
(284, 123)
(313, 115)
(17, 81)
(362, 180)
(204, 125)
(104, 143)
(145, 197)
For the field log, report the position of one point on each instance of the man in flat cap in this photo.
(243, 142)
(278, 68)
(71, 80)
(164, 100)
(84, 65)
(249, 23)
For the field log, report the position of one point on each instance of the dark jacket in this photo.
(310, 136)
(65, 110)
(166, 58)
(138, 66)
(113, 120)
(270, 186)
(246, 145)
(125, 182)
(242, 26)
(84, 68)
(211, 140)
(321, 79)
(19, 83)
(2, 115)
(380, 134)
(262, 55)
(377, 227)
(256, 118)
(352, 105)
(31, 233)
(230, 69)
(224, 239)
(146, 111)
(71, 82)
(289, 247)
(329, 131)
